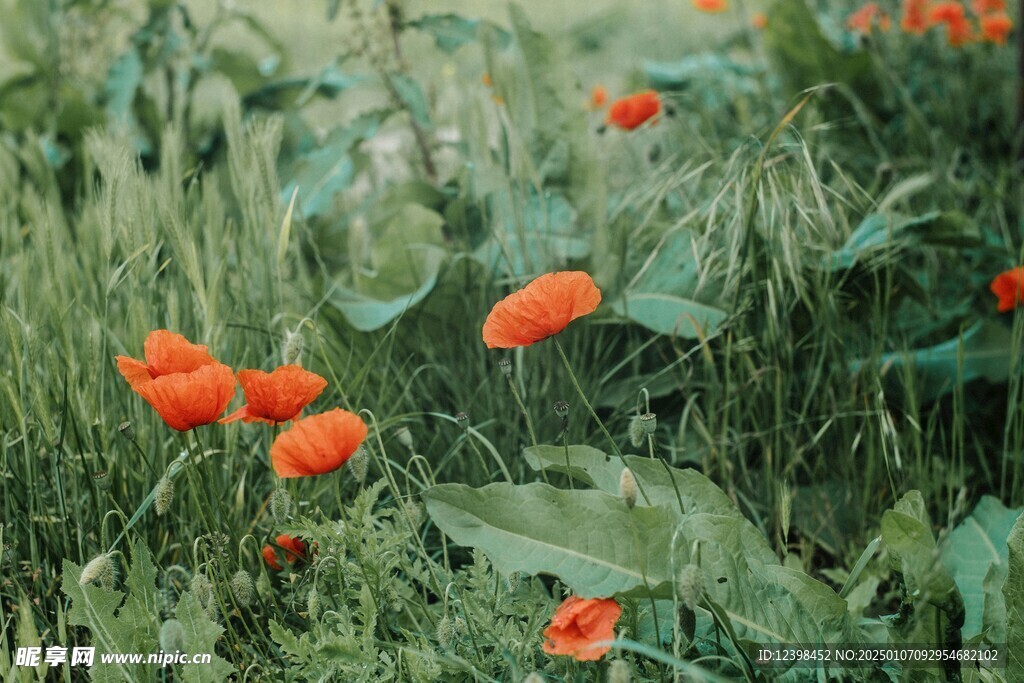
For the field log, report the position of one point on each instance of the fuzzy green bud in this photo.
(404, 437)
(649, 422)
(619, 671)
(291, 351)
(313, 605)
(534, 678)
(212, 611)
(280, 505)
(100, 568)
(359, 464)
(164, 495)
(243, 588)
(445, 632)
(513, 581)
(691, 586)
(413, 512)
(201, 588)
(628, 487)
(172, 636)
(636, 432)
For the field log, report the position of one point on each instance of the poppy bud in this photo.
(243, 588)
(212, 611)
(691, 586)
(313, 604)
(619, 671)
(534, 678)
(445, 632)
(201, 589)
(513, 581)
(413, 512)
(636, 431)
(627, 487)
(561, 409)
(291, 352)
(127, 430)
(505, 365)
(172, 636)
(164, 495)
(462, 420)
(460, 626)
(405, 437)
(280, 505)
(358, 464)
(100, 568)
(649, 422)
(102, 479)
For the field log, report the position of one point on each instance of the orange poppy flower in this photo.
(578, 624)
(540, 309)
(294, 549)
(867, 17)
(958, 28)
(182, 382)
(711, 6)
(633, 111)
(759, 20)
(598, 96)
(1008, 286)
(317, 444)
(278, 396)
(995, 28)
(981, 7)
(915, 16)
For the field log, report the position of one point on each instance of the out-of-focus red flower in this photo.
(598, 96)
(759, 20)
(867, 17)
(1008, 287)
(711, 6)
(981, 7)
(294, 549)
(995, 28)
(578, 625)
(278, 396)
(180, 380)
(959, 31)
(633, 111)
(914, 18)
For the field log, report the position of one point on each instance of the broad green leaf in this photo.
(974, 550)
(1013, 598)
(411, 94)
(986, 354)
(913, 552)
(669, 314)
(881, 233)
(709, 78)
(123, 79)
(201, 636)
(452, 31)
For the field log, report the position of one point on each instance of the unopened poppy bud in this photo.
(164, 495)
(627, 487)
(359, 464)
(462, 420)
(172, 636)
(280, 505)
(313, 604)
(201, 588)
(445, 632)
(102, 479)
(619, 671)
(291, 352)
(649, 422)
(100, 568)
(561, 409)
(513, 581)
(127, 430)
(243, 588)
(636, 431)
(460, 626)
(414, 512)
(405, 437)
(534, 678)
(505, 365)
(691, 586)
(212, 610)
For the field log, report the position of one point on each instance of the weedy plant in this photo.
(627, 386)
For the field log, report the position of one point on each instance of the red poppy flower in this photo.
(915, 16)
(540, 309)
(598, 96)
(278, 396)
(1008, 286)
(578, 624)
(635, 110)
(958, 28)
(294, 549)
(995, 28)
(981, 7)
(182, 382)
(759, 20)
(711, 6)
(317, 444)
(867, 17)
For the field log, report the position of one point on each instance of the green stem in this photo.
(522, 409)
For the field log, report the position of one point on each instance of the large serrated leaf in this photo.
(973, 550)
(1013, 598)
(201, 636)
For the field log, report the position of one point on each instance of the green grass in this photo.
(769, 405)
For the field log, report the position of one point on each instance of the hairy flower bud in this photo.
(291, 351)
(201, 588)
(243, 588)
(534, 678)
(691, 586)
(164, 495)
(619, 671)
(172, 636)
(280, 505)
(413, 512)
(100, 568)
(636, 432)
(404, 437)
(445, 632)
(313, 604)
(628, 487)
(513, 581)
(359, 464)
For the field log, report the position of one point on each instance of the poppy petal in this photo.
(578, 625)
(541, 309)
(186, 400)
(270, 557)
(317, 444)
(135, 371)
(279, 396)
(168, 352)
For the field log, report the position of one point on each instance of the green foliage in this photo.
(1013, 598)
